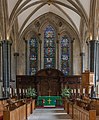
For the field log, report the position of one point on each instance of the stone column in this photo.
(40, 43)
(87, 42)
(94, 59)
(16, 54)
(57, 54)
(82, 54)
(6, 62)
(26, 57)
(71, 66)
(0, 62)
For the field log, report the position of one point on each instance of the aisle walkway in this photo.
(49, 114)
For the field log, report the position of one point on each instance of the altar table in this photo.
(49, 101)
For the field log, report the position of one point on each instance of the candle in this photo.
(15, 91)
(23, 90)
(78, 90)
(74, 90)
(26, 90)
(10, 91)
(19, 90)
(83, 90)
(89, 90)
(3, 89)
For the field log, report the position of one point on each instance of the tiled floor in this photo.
(49, 114)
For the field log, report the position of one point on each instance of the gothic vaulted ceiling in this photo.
(28, 10)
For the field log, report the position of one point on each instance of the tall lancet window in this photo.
(65, 55)
(33, 55)
(49, 47)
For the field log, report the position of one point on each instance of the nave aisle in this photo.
(49, 114)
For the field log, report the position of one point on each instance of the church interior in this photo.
(49, 59)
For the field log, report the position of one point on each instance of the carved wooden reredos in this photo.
(49, 81)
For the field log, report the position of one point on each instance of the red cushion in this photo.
(1, 117)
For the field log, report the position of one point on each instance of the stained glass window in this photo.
(33, 56)
(65, 55)
(49, 47)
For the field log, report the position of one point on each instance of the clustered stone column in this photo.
(0, 62)
(6, 68)
(82, 54)
(40, 43)
(71, 66)
(94, 59)
(16, 54)
(26, 56)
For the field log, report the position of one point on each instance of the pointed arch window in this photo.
(33, 56)
(65, 55)
(49, 47)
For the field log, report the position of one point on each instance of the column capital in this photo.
(6, 41)
(93, 41)
(57, 41)
(39, 34)
(58, 34)
(40, 41)
(82, 54)
(16, 54)
(72, 41)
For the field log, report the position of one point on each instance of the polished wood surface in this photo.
(79, 112)
(19, 111)
(87, 82)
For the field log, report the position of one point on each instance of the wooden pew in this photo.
(94, 104)
(78, 112)
(33, 105)
(82, 114)
(70, 109)
(22, 111)
(15, 114)
(18, 110)
(15, 111)
(66, 105)
(3, 103)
